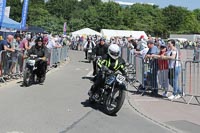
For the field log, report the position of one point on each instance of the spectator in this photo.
(144, 51)
(6, 45)
(174, 69)
(17, 56)
(25, 43)
(53, 43)
(163, 70)
(153, 50)
(141, 43)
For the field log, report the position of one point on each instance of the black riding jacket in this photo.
(101, 50)
(114, 65)
(39, 51)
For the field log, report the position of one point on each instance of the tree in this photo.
(16, 9)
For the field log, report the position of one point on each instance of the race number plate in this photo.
(120, 78)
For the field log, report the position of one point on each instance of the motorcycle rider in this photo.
(41, 63)
(100, 50)
(113, 62)
(89, 44)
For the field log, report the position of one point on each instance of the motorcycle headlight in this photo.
(31, 62)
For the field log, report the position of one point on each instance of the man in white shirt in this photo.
(89, 45)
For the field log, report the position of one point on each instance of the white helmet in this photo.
(114, 51)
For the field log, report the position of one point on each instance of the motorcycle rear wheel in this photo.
(113, 104)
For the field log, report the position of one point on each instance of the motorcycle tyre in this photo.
(119, 103)
(27, 74)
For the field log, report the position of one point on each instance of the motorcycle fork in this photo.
(112, 94)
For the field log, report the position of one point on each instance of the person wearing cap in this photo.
(153, 50)
(41, 51)
(141, 43)
(143, 52)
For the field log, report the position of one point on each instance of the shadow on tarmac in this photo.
(84, 61)
(89, 78)
(95, 106)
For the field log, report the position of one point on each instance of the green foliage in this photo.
(97, 15)
(16, 9)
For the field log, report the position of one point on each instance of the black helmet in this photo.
(102, 39)
(39, 39)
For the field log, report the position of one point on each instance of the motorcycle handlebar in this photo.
(33, 56)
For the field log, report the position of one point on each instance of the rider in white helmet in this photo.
(113, 61)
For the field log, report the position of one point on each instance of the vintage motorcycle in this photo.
(112, 93)
(90, 55)
(29, 76)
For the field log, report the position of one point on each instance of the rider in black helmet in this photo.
(41, 51)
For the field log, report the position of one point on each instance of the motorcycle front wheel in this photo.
(27, 77)
(114, 102)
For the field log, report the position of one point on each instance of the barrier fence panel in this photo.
(124, 53)
(197, 54)
(11, 64)
(153, 74)
(191, 80)
(139, 63)
(131, 57)
(158, 74)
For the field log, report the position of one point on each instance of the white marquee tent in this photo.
(85, 31)
(108, 33)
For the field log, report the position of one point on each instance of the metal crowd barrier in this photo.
(11, 64)
(151, 77)
(154, 74)
(125, 53)
(196, 55)
(148, 73)
(57, 55)
(191, 84)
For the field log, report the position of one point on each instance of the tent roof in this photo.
(85, 31)
(9, 23)
(127, 33)
(35, 29)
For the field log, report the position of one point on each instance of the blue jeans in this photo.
(174, 82)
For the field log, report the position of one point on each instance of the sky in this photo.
(189, 4)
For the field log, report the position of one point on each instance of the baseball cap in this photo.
(162, 45)
(142, 36)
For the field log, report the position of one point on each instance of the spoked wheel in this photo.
(27, 77)
(114, 102)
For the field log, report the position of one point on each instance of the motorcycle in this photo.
(29, 76)
(112, 93)
(90, 55)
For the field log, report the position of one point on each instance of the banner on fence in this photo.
(65, 28)
(24, 14)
